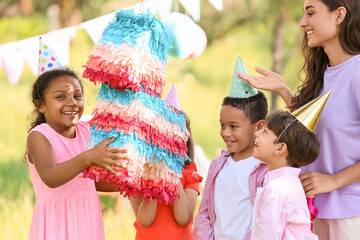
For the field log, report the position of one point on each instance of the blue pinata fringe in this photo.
(130, 27)
(156, 104)
(151, 153)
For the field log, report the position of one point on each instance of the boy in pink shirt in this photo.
(233, 177)
(280, 210)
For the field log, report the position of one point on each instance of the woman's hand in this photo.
(270, 81)
(315, 183)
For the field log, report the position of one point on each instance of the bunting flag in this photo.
(29, 51)
(164, 7)
(13, 62)
(13, 55)
(94, 27)
(193, 7)
(129, 61)
(218, 4)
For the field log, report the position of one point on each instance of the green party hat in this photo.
(239, 88)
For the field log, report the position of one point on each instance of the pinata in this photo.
(129, 61)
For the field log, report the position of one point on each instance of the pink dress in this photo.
(71, 211)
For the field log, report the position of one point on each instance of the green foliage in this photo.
(17, 28)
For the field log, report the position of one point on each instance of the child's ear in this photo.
(39, 105)
(260, 124)
(281, 149)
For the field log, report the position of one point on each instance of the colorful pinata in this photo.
(129, 61)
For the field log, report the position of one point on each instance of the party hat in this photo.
(309, 114)
(47, 59)
(239, 88)
(172, 98)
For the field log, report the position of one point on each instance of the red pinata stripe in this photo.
(119, 82)
(123, 77)
(158, 189)
(107, 121)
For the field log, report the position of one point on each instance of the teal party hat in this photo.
(239, 88)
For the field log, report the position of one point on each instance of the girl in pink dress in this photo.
(67, 205)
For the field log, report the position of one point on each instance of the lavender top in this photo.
(338, 132)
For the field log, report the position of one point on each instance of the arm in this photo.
(184, 207)
(105, 187)
(203, 228)
(144, 210)
(270, 81)
(315, 183)
(54, 175)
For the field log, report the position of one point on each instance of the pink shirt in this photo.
(281, 210)
(205, 219)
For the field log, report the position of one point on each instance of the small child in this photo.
(158, 221)
(67, 205)
(230, 188)
(281, 210)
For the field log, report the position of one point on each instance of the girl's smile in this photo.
(63, 105)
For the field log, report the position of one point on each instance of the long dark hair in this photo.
(38, 89)
(316, 59)
(190, 143)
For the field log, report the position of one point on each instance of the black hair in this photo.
(302, 144)
(255, 108)
(39, 87)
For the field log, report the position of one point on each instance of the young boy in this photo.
(281, 210)
(230, 188)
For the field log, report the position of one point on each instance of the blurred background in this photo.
(262, 32)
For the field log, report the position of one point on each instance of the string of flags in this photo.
(190, 39)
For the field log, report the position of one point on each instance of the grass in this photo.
(202, 84)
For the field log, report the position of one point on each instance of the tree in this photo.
(277, 14)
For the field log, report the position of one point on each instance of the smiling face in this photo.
(320, 24)
(264, 144)
(63, 104)
(237, 132)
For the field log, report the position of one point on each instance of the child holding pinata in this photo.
(159, 221)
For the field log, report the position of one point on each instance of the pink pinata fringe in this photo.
(131, 57)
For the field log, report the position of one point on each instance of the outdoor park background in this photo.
(262, 32)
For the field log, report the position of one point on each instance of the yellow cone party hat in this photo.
(309, 114)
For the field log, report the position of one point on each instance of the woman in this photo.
(331, 48)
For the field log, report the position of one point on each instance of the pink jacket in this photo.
(205, 219)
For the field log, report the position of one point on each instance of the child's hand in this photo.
(107, 157)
